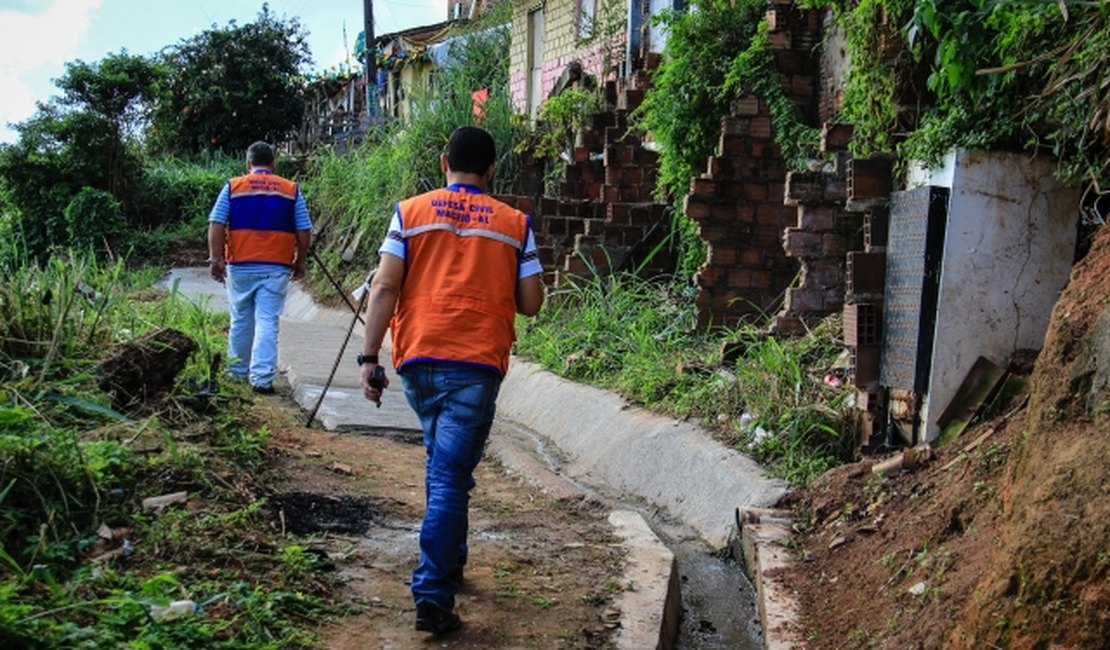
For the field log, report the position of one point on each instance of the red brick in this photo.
(735, 125)
(595, 227)
(823, 274)
(865, 273)
(733, 145)
(751, 257)
(755, 191)
(817, 218)
(747, 106)
(761, 279)
(593, 191)
(761, 127)
(617, 213)
(800, 299)
(836, 190)
(799, 243)
(722, 255)
(739, 278)
(695, 207)
(836, 137)
(723, 211)
(870, 178)
(703, 187)
(581, 154)
(776, 214)
(833, 244)
(805, 188)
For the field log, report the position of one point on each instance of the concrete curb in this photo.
(673, 465)
(651, 603)
(764, 557)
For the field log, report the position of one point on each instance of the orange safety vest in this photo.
(462, 259)
(262, 224)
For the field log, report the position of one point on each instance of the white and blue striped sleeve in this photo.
(529, 258)
(222, 208)
(394, 243)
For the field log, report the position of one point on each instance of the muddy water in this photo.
(719, 608)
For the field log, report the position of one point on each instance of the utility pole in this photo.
(370, 64)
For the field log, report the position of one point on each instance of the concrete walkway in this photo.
(600, 440)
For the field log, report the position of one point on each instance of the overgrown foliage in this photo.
(71, 466)
(715, 52)
(928, 76)
(637, 337)
(233, 85)
(352, 196)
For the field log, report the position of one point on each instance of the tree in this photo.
(117, 92)
(83, 138)
(231, 86)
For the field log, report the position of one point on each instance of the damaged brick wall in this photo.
(605, 218)
(738, 202)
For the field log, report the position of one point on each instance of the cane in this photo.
(363, 291)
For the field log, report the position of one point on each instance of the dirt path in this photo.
(542, 570)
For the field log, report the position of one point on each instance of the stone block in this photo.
(865, 273)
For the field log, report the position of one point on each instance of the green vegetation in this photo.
(352, 196)
(637, 337)
(1031, 76)
(73, 471)
(230, 86)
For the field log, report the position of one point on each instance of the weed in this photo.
(543, 602)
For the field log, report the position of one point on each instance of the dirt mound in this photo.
(1003, 540)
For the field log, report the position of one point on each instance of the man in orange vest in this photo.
(456, 267)
(258, 236)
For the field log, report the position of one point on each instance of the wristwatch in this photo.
(367, 358)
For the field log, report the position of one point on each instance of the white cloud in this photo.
(33, 47)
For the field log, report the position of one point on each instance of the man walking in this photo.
(258, 236)
(456, 267)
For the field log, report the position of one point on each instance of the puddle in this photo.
(306, 513)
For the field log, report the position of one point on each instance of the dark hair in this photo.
(260, 154)
(470, 150)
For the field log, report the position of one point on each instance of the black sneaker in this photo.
(430, 618)
(268, 389)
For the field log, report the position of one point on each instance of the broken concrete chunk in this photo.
(159, 503)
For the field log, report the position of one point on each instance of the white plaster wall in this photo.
(1009, 244)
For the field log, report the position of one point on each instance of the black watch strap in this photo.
(367, 358)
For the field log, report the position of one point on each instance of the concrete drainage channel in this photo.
(576, 439)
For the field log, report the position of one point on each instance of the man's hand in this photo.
(298, 269)
(218, 270)
(373, 382)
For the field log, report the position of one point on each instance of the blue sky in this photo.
(37, 37)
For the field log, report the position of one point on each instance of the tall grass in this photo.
(637, 337)
(68, 466)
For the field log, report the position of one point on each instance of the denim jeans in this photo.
(255, 300)
(455, 405)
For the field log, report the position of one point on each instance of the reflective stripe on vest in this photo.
(262, 224)
(458, 300)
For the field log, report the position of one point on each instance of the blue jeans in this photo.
(455, 405)
(255, 300)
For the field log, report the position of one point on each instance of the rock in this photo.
(917, 589)
(159, 503)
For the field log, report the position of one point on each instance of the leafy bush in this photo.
(94, 220)
(682, 109)
(175, 191)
